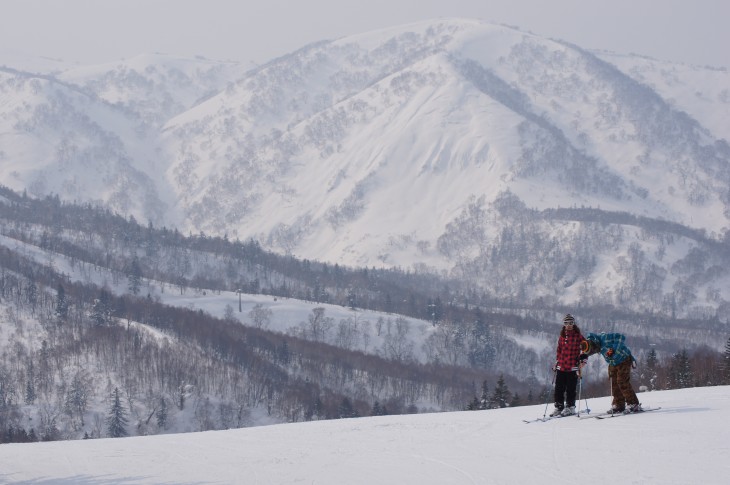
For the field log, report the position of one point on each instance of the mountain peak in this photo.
(396, 147)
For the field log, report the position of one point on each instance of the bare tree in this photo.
(396, 344)
(347, 333)
(260, 316)
(319, 325)
(446, 344)
(229, 314)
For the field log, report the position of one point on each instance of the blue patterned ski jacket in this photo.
(612, 341)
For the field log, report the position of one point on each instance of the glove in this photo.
(609, 352)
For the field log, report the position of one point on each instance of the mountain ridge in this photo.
(372, 149)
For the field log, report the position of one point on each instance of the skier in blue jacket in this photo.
(620, 362)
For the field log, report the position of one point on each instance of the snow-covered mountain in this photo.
(90, 134)
(529, 167)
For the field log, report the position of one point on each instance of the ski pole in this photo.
(588, 409)
(580, 389)
(610, 379)
(547, 401)
(580, 386)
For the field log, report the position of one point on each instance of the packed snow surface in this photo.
(685, 442)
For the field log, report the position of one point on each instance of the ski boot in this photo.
(633, 408)
(568, 411)
(616, 410)
(557, 411)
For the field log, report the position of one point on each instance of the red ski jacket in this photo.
(568, 349)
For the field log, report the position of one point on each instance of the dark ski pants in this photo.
(621, 389)
(565, 384)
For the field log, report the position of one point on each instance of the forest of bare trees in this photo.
(78, 361)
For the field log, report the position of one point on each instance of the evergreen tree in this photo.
(101, 310)
(345, 410)
(181, 397)
(484, 402)
(317, 410)
(649, 378)
(134, 276)
(44, 377)
(680, 371)
(533, 384)
(77, 397)
(546, 395)
(502, 395)
(378, 410)
(21, 436)
(725, 374)
(161, 414)
(50, 429)
(117, 420)
(30, 394)
(283, 354)
(31, 294)
(61, 311)
(481, 347)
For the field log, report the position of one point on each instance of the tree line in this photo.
(182, 363)
(93, 350)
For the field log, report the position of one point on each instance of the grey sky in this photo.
(92, 31)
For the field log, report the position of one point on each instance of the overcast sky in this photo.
(94, 31)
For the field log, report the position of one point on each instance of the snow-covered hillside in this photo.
(684, 442)
(155, 87)
(448, 145)
(701, 92)
(368, 147)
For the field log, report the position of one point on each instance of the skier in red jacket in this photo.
(566, 367)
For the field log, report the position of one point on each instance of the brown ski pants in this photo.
(621, 389)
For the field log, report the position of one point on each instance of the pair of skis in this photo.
(618, 415)
(548, 418)
(587, 415)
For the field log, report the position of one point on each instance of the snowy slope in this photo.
(288, 315)
(399, 148)
(56, 138)
(155, 87)
(397, 129)
(685, 442)
(702, 92)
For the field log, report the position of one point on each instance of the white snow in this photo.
(686, 442)
(287, 314)
(364, 151)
